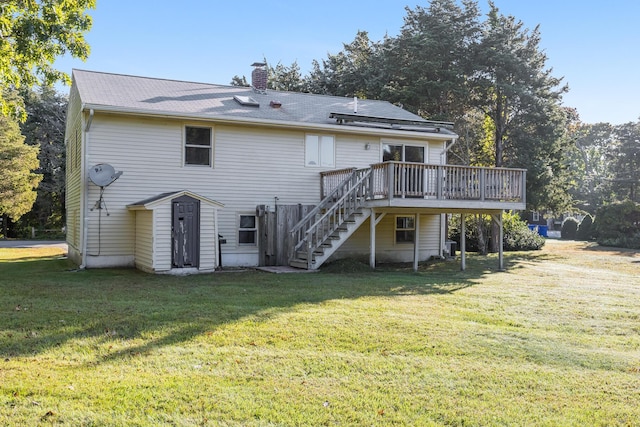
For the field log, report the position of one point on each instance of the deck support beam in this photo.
(416, 243)
(463, 242)
(373, 223)
(372, 239)
(498, 219)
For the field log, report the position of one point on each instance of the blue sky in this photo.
(595, 46)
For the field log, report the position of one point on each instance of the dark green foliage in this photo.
(585, 227)
(618, 224)
(44, 128)
(569, 228)
(517, 236)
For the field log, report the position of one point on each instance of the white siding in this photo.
(386, 248)
(144, 240)
(434, 156)
(73, 193)
(162, 235)
(252, 166)
(208, 240)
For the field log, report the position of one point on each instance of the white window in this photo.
(536, 216)
(247, 230)
(403, 153)
(319, 151)
(197, 146)
(405, 229)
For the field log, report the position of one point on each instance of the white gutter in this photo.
(84, 183)
(266, 122)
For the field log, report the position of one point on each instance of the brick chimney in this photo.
(259, 76)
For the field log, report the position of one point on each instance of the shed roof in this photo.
(132, 94)
(154, 201)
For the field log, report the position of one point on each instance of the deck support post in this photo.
(416, 243)
(498, 219)
(463, 242)
(372, 239)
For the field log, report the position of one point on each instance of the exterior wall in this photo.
(386, 248)
(208, 238)
(144, 252)
(73, 194)
(251, 166)
(162, 237)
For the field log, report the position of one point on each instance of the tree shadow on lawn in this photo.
(611, 250)
(45, 304)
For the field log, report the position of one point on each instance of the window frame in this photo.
(405, 229)
(186, 146)
(403, 150)
(321, 161)
(253, 229)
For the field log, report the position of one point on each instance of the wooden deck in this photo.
(441, 187)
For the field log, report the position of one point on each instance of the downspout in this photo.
(447, 148)
(443, 217)
(85, 190)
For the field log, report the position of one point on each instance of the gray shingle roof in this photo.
(153, 95)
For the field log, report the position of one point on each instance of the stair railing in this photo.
(345, 199)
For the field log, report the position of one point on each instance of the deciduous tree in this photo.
(33, 33)
(18, 182)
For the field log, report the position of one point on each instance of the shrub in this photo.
(569, 228)
(618, 224)
(584, 231)
(516, 235)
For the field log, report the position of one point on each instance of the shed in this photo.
(176, 233)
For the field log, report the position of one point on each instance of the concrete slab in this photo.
(281, 269)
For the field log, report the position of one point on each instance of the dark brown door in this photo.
(185, 232)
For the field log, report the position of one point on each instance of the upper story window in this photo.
(197, 146)
(319, 151)
(402, 153)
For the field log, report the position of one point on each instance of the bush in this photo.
(585, 227)
(516, 235)
(618, 224)
(569, 228)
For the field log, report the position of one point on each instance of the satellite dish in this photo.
(103, 174)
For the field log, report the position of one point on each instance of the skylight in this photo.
(247, 101)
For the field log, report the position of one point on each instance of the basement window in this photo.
(248, 230)
(405, 229)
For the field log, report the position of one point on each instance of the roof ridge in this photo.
(154, 78)
(268, 91)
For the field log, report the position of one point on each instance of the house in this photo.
(172, 176)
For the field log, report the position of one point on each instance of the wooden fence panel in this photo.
(274, 225)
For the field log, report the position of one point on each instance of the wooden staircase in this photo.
(323, 230)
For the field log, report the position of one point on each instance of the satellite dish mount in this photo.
(103, 175)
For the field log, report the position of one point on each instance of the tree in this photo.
(590, 164)
(624, 162)
(430, 59)
(279, 77)
(44, 128)
(18, 182)
(353, 72)
(33, 33)
(510, 83)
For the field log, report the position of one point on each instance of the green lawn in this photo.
(553, 341)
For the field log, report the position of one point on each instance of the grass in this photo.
(555, 340)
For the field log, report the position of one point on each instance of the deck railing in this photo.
(391, 180)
